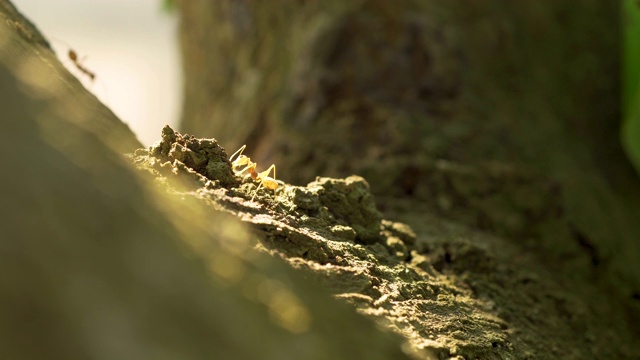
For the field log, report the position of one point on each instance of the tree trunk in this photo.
(490, 127)
(502, 116)
(97, 262)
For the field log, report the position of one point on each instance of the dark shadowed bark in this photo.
(499, 115)
(385, 90)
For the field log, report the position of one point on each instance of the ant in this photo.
(243, 166)
(73, 56)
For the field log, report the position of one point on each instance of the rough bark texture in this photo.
(451, 291)
(97, 262)
(499, 116)
(474, 123)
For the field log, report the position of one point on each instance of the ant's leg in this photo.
(256, 191)
(265, 174)
(265, 180)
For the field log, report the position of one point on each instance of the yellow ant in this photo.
(243, 166)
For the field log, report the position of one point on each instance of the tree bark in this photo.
(98, 262)
(502, 116)
(478, 123)
(385, 90)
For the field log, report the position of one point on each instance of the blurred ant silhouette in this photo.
(73, 56)
(76, 60)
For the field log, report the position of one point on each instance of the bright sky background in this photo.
(131, 46)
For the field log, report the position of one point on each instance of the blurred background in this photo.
(132, 48)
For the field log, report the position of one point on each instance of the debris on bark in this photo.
(454, 292)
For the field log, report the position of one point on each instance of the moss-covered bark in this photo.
(452, 291)
(97, 262)
(384, 90)
(476, 123)
(499, 115)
